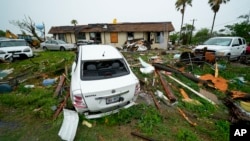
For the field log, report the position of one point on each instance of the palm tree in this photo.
(180, 6)
(74, 22)
(215, 6)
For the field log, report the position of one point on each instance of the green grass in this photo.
(27, 113)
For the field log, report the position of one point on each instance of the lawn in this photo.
(27, 113)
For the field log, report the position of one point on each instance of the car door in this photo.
(48, 45)
(236, 47)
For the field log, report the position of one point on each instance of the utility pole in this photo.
(192, 30)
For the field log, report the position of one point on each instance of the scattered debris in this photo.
(192, 90)
(187, 99)
(48, 82)
(237, 114)
(60, 85)
(169, 93)
(245, 105)
(5, 88)
(61, 106)
(69, 125)
(146, 68)
(239, 95)
(184, 115)
(87, 123)
(155, 101)
(217, 82)
(4, 73)
(29, 86)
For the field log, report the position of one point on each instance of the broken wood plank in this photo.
(155, 101)
(195, 92)
(59, 86)
(184, 115)
(61, 106)
(167, 88)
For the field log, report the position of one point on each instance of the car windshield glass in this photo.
(61, 42)
(218, 41)
(103, 69)
(12, 43)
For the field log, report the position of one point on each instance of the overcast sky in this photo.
(61, 12)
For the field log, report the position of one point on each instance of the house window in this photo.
(130, 35)
(95, 36)
(114, 37)
(61, 36)
(159, 37)
(82, 35)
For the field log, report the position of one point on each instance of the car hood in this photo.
(211, 47)
(16, 48)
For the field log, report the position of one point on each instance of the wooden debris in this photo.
(185, 117)
(218, 83)
(239, 95)
(59, 86)
(61, 106)
(167, 88)
(192, 90)
(187, 99)
(155, 101)
(141, 136)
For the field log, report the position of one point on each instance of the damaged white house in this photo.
(116, 34)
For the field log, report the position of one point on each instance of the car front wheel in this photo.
(45, 48)
(62, 49)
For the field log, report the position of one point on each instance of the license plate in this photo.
(16, 55)
(112, 99)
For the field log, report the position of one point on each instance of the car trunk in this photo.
(100, 95)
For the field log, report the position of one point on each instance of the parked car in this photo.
(248, 49)
(57, 45)
(14, 48)
(231, 47)
(101, 81)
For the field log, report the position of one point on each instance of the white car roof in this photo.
(99, 52)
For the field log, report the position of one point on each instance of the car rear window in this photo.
(12, 43)
(103, 69)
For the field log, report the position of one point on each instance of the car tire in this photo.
(45, 48)
(10, 59)
(62, 49)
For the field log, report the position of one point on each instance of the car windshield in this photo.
(12, 43)
(218, 41)
(103, 69)
(61, 42)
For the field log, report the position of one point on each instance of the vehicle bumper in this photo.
(89, 115)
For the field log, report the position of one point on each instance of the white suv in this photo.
(101, 81)
(231, 47)
(14, 48)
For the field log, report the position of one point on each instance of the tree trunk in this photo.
(211, 32)
(182, 18)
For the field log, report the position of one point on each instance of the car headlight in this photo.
(26, 50)
(220, 53)
(2, 52)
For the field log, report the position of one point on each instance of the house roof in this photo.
(119, 27)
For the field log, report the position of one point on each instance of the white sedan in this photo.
(57, 45)
(101, 81)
